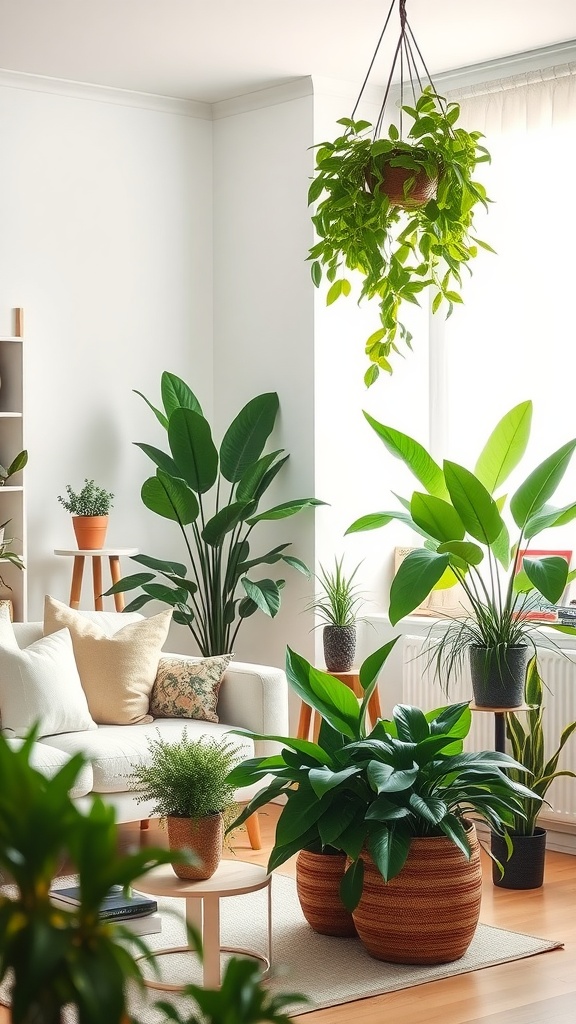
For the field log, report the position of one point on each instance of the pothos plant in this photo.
(213, 495)
(398, 249)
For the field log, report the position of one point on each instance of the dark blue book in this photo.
(116, 904)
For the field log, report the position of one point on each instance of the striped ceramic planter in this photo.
(427, 914)
(318, 877)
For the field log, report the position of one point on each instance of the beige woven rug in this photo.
(327, 970)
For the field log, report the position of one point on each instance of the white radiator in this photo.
(558, 671)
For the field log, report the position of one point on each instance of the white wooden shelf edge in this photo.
(9, 487)
(10, 337)
(10, 415)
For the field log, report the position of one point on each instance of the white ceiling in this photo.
(210, 50)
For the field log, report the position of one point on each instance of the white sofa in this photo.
(251, 696)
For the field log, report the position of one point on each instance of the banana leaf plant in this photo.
(466, 520)
(370, 794)
(213, 495)
(525, 733)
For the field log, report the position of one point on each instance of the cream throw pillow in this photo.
(188, 688)
(117, 672)
(41, 684)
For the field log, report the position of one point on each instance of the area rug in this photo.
(327, 970)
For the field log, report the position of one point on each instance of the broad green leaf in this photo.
(264, 593)
(323, 780)
(162, 419)
(170, 498)
(270, 558)
(160, 565)
(159, 458)
(160, 592)
(130, 582)
(384, 809)
(224, 521)
(298, 564)
(244, 441)
(384, 778)
(333, 700)
(415, 578)
(475, 506)
(336, 820)
(464, 550)
(437, 517)
(177, 395)
(370, 670)
(432, 808)
(351, 885)
(253, 476)
(411, 725)
(301, 810)
(548, 575)
(549, 517)
(505, 447)
(288, 508)
(389, 848)
(193, 449)
(414, 456)
(338, 288)
(540, 485)
(373, 521)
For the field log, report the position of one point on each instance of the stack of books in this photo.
(135, 911)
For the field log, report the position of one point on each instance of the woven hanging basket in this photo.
(318, 877)
(393, 184)
(203, 837)
(427, 914)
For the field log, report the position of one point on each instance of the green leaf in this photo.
(130, 582)
(162, 419)
(177, 395)
(373, 521)
(244, 441)
(414, 456)
(323, 780)
(384, 778)
(160, 565)
(301, 810)
(431, 808)
(333, 700)
(340, 287)
(389, 849)
(475, 506)
(298, 564)
(159, 458)
(316, 269)
(168, 595)
(411, 723)
(224, 521)
(264, 593)
(288, 508)
(548, 575)
(505, 447)
(540, 485)
(549, 517)
(352, 884)
(193, 449)
(464, 550)
(248, 486)
(437, 517)
(416, 577)
(170, 498)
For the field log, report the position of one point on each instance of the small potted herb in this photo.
(337, 607)
(89, 507)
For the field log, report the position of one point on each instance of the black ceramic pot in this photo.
(498, 675)
(525, 869)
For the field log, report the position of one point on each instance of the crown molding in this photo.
(105, 94)
(295, 89)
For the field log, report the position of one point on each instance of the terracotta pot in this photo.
(420, 192)
(90, 532)
(427, 914)
(204, 837)
(318, 877)
(498, 678)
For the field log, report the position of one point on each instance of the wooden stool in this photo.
(113, 555)
(352, 681)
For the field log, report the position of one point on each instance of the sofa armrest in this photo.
(253, 697)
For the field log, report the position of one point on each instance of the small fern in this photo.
(186, 778)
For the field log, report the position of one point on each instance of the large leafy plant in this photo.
(213, 494)
(373, 793)
(525, 734)
(398, 250)
(464, 518)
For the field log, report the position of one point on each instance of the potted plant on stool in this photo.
(89, 507)
(188, 782)
(464, 519)
(336, 607)
(521, 861)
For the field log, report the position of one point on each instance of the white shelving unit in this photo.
(12, 496)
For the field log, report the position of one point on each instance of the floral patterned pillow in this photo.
(188, 689)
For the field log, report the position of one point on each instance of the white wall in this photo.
(106, 242)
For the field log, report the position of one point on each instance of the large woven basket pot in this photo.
(427, 914)
(394, 181)
(204, 837)
(318, 877)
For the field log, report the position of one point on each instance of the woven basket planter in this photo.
(420, 192)
(318, 877)
(427, 914)
(204, 837)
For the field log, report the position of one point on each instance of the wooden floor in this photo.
(536, 990)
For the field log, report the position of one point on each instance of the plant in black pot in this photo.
(337, 608)
(400, 802)
(521, 858)
(464, 519)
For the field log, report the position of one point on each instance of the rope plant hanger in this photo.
(398, 207)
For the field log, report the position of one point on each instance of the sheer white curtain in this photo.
(515, 336)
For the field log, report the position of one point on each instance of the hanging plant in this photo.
(398, 209)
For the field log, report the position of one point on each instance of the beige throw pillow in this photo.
(117, 672)
(188, 688)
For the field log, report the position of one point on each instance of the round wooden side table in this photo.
(231, 878)
(113, 555)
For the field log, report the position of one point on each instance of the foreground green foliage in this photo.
(18, 463)
(408, 777)
(398, 252)
(463, 517)
(526, 737)
(214, 496)
(90, 500)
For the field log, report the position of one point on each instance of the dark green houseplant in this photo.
(466, 522)
(523, 864)
(372, 796)
(401, 239)
(214, 496)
